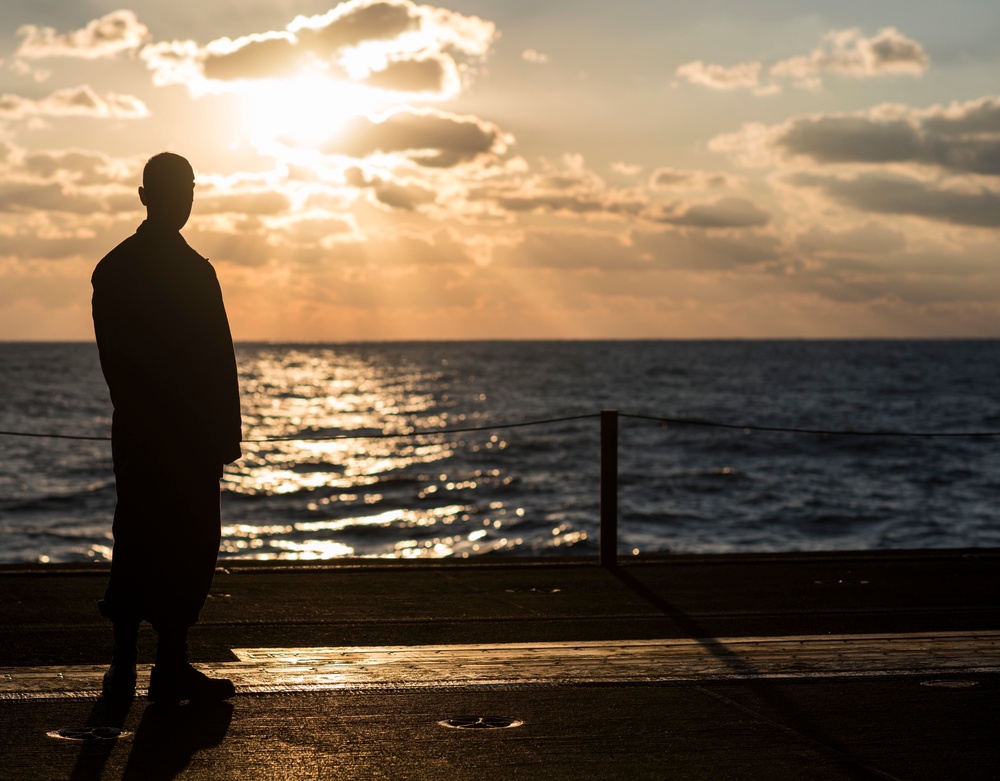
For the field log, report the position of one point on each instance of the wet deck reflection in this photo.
(261, 670)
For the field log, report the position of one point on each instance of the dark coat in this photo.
(166, 349)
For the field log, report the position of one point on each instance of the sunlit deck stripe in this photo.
(261, 670)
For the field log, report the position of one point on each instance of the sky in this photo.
(502, 169)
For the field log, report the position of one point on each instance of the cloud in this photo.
(47, 197)
(695, 250)
(421, 250)
(395, 45)
(307, 39)
(246, 245)
(569, 250)
(577, 203)
(960, 138)
(569, 189)
(353, 23)
(72, 166)
(265, 56)
(396, 194)
(113, 34)
(868, 239)
(534, 57)
(720, 77)
(847, 139)
(315, 230)
(843, 52)
(565, 187)
(429, 74)
(935, 163)
(626, 169)
(80, 101)
(258, 203)
(849, 53)
(432, 138)
(895, 194)
(681, 179)
(723, 213)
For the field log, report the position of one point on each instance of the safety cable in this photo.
(544, 421)
(424, 432)
(821, 432)
(379, 435)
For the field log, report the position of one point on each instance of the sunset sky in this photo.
(509, 169)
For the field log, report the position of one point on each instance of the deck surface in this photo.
(798, 666)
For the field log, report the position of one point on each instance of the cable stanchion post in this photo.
(609, 488)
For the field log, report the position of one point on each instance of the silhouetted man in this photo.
(167, 356)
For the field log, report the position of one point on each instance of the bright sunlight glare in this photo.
(308, 110)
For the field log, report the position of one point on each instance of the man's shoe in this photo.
(170, 685)
(119, 681)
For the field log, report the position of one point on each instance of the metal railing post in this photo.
(609, 488)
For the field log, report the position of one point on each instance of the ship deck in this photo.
(788, 666)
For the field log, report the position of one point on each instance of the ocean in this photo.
(534, 490)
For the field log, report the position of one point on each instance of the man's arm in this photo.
(231, 428)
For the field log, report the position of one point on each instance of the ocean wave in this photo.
(682, 487)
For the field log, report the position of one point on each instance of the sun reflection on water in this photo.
(361, 496)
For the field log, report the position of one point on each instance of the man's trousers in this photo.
(166, 536)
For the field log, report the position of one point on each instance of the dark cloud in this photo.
(680, 179)
(851, 139)
(892, 51)
(977, 116)
(892, 194)
(577, 203)
(419, 75)
(430, 138)
(27, 197)
(80, 167)
(724, 213)
(405, 196)
(963, 138)
(566, 180)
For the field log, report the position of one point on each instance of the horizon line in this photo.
(562, 339)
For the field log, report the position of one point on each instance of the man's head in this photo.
(167, 190)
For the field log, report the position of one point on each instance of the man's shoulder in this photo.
(111, 264)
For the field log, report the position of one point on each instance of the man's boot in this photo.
(119, 680)
(173, 679)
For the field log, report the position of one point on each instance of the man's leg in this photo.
(179, 589)
(123, 599)
(120, 678)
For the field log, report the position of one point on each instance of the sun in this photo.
(305, 111)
